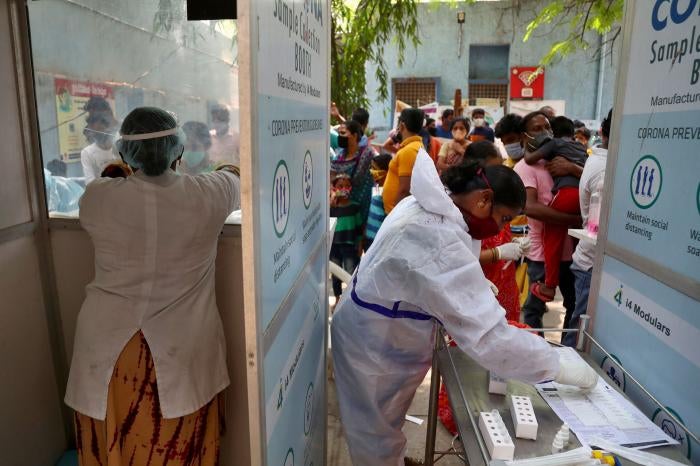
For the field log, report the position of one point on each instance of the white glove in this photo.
(510, 251)
(576, 373)
(493, 287)
(524, 242)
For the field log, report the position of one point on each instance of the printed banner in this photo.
(71, 97)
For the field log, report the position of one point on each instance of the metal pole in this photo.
(582, 329)
(433, 403)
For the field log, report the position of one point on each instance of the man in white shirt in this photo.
(100, 130)
(225, 143)
(584, 256)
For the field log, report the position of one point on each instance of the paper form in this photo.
(602, 412)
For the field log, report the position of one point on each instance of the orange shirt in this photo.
(400, 165)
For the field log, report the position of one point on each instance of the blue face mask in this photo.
(193, 158)
(514, 151)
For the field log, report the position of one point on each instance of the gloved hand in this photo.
(510, 251)
(493, 287)
(576, 373)
(524, 242)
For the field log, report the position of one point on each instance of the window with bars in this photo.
(415, 91)
(488, 91)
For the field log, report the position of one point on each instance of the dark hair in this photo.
(382, 161)
(361, 116)
(562, 127)
(605, 126)
(220, 112)
(579, 124)
(509, 124)
(197, 131)
(413, 119)
(526, 119)
(354, 128)
(97, 104)
(482, 151)
(584, 131)
(463, 120)
(447, 112)
(429, 121)
(508, 188)
(57, 167)
(478, 110)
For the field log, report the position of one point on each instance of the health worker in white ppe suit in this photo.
(423, 269)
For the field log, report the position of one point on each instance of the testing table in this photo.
(467, 386)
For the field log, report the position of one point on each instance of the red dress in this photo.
(503, 278)
(508, 297)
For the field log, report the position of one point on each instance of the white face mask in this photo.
(514, 150)
(479, 122)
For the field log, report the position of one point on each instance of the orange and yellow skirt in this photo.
(134, 433)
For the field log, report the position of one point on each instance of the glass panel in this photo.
(96, 60)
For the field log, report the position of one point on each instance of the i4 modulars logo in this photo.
(639, 312)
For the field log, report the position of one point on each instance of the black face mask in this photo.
(432, 132)
(343, 142)
(398, 137)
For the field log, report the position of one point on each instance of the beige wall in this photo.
(31, 432)
(31, 426)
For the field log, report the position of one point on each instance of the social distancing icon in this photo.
(646, 181)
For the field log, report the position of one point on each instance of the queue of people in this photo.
(426, 245)
(475, 241)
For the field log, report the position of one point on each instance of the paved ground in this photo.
(338, 450)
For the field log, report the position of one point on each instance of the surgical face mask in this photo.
(193, 158)
(479, 122)
(536, 141)
(343, 142)
(514, 150)
(459, 134)
(377, 175)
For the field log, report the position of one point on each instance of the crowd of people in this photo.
(468, 234)
(434, 229)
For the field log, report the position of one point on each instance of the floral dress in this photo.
(357, 168)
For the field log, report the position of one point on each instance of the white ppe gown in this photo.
(421, 269)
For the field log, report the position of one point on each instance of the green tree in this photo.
(580, 18)
(359, 34)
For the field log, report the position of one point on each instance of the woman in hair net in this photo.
(423, 269)
(149, 357)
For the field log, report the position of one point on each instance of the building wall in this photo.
(574, 79)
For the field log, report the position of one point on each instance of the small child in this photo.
(583, 136)
(566, 199)
(452, 152)
(378, 169)
(345, 250)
